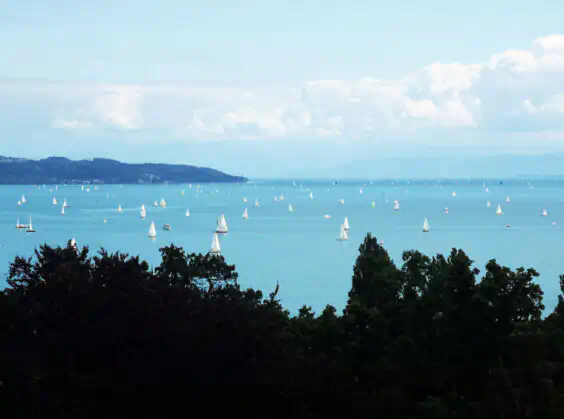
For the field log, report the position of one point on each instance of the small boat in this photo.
(425, 226)
(152, 231)
(281, 197)
(346, 223)
(327, 216)
(311, 195)
(342, 201)
(276, 199)
(343, 235)
(155, 204)
(143, 211)
(499, 211)
(20, 226)
(222, 225)
(65, 203)
(119, 208)
(487, 190)
(162, 203)
(381, 243)
(360, 191)
(508, 226)
(544, 213)
(30, 227)
(54, 201)
(73, 243)
(446, 210)
(167, 227)
(105, 221)
(245, 200)
(215, 248)
(23, 199)
(20, 203)
(508, 200)
(245, 214)
(488, 204)
(63, 210)
(257, 203)
(396, 205)
(187, 213)
(373, 204)
(290, 208)
(454, 193)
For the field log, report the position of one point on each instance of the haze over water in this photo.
(299, 250)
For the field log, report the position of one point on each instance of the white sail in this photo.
(152, 231)
(82, 187)
(155, 204)
(215, 247)
(23, 199)
(373, 204)
(73, 242)
(187, 213)
(446, 210)
(119, 208)
(396, 205)
(54, 201)
(18, 222)
(19, 203)
(143, 211)
(508, 200)
(281, 197)
(63, 210)
(425, 226)
(311, 195)
(499, 211)
(342, 201)
(30, 227)
(290, 208)
(245, 200)
(453, 193)
(257, 203)
(544, 212)
(245, 214)
(360, 191)
(222, 225)
(346, 223)
(163, 203)
(488, 204)
(65, 203)
(276, 199)
(327, 216)
(487, 189)
(343, 235)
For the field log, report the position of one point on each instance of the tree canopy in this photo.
(106, 335)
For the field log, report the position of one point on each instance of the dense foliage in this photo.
(59, 170)
(106, 336)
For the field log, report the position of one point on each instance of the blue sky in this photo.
(268, 88)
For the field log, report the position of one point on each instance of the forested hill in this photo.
(61, 170)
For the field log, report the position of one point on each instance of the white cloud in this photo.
(512, 90)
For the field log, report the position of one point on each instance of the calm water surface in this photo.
(299, 250)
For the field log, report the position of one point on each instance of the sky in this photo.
(282, 88)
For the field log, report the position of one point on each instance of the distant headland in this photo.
(60, 170)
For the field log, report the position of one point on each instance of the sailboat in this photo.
(425, 226)
(275, 199)
(446, 210)
(544, 213)
(155, 204)
(499, 211)
(245, 200)
(222, 225)
(327, 216)
(119, 208)
(453, 193)
(63, 210)
(346, 223)
(65, 203)
(162, 203)
(342, 201)
(343, 235)
(73, 243)
(19, 203)
(508, 200)
(281, 197)
(245, 214)
(396, 205)
(257, 203)
(30, 227)
(152, 231)
(23, 199)
(487, 189)
(167, 227)
(215, 247)
(488, 204)
(311, 195)
(143, 211)
(373, 204)
(290, 208)
(18, 225)
(360, 191)
(54, 201)
(187, 213)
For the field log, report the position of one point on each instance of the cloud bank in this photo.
(514, 91)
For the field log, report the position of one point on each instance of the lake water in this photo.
(299, 250)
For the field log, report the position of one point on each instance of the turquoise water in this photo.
(299, 250)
